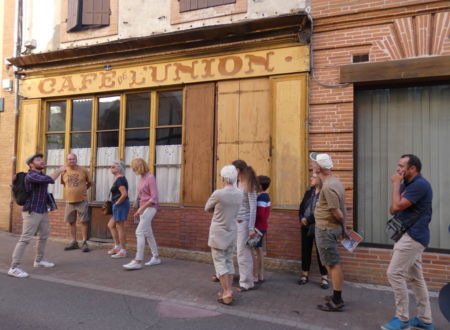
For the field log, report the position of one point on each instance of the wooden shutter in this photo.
(199, 144)
(72, 14)
(95, 12)
(290, 158)
(213, 3)
(244, 124)
(187, 5)
(27, 140)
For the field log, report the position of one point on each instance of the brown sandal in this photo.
(330, 306)
(225, 300)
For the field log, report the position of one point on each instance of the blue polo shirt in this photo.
(418, 192)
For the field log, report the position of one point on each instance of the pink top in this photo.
(147, 190)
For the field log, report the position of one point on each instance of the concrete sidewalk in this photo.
(279, 300)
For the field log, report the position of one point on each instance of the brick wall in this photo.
(7, 118)
(386, 30)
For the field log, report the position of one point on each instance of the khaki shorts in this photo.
(72, 209)
(327, 244)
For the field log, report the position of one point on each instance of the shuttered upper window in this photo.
(188, 5)
(85, 14)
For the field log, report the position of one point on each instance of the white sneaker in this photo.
(44, 264)
(120, 254)
(153, 261)
(133, 265)
(17, 272)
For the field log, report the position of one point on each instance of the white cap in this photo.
(323, 160)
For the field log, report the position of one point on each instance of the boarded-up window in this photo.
(188, 5)
(244, 124)
(289, 156)
(199, 144)
(84, 14)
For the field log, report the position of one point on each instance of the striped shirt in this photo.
(37, 184)
(247, 211)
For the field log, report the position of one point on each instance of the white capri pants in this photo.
(144, 231)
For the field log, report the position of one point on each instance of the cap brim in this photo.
(313, 156)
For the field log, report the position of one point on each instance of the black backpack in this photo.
(21, 195)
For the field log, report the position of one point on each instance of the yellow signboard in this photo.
(230, 66)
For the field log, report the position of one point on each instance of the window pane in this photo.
(170, 105)
(108, 112)
(81, 115)
(56, 115)
(80, 140)
(107, 139)
(168, 136)
(55, 149)
(57, 188)
(137, 137)
(168, 182)
(138, 110)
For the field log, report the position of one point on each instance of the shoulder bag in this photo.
(395, 228)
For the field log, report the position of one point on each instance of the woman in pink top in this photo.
(147, 195)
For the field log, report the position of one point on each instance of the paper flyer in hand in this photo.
(352, 241)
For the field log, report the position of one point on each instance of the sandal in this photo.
(225, 300)
(303, 280)
(325, 284)
(330, 298)
(330, 306)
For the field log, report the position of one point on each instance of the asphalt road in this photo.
(37, 304)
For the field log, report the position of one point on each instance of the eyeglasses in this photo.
(113, 167)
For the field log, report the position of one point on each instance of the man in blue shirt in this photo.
(411, 203)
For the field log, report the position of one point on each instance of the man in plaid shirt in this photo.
(35, 216)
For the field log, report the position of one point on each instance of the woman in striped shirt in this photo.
(246, 223)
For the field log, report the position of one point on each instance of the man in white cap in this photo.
(330, 217)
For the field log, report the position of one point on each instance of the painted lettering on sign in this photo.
(259, 63)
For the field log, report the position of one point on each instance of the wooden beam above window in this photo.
(412, 69)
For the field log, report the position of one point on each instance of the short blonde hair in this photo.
(139, 166)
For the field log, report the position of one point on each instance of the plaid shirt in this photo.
(37, 183)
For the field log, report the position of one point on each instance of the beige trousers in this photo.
(32, 224)
(244, 257)
(223, 261)
(406, 264)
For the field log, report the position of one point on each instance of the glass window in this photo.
(56, 116)
(55, 142)
(137, 134)
(170, 108)
(81, 115)
(138, 110)
(108, 112)
(168, 147)
(81, 126)
(107, 144)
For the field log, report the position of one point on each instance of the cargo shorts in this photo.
(72, 209)
(327, 244)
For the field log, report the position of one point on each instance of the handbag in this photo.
(107, 206)
(395, 228)
(252, 242)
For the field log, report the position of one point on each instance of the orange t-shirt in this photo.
(75, 184)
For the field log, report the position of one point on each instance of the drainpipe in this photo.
(17, 49)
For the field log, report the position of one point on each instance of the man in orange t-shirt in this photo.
(76, 181)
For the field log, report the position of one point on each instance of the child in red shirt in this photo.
(262, 218)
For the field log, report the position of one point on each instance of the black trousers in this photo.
(307, 246)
